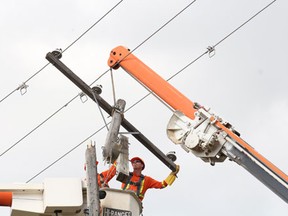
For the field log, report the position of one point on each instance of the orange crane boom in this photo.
(152, 80)
(208, 137)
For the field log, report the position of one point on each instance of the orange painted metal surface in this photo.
(121, 56)
(5, 198)
(253, 152)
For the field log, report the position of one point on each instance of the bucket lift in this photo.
(65, 197)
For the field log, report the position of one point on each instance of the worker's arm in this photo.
(105, 176)
(152, 183)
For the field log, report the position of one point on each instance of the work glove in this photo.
(172, 176)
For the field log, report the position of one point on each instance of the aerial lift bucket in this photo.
(120, 202)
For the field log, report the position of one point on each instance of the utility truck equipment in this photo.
(192, 126)
(199, 131)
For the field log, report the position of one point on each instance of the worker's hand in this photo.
(172, 176)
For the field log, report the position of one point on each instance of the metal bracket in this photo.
(83, 97)
(23, 88)
(211, 51)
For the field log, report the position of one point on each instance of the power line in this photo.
(77, 39)
(16, 143)
(109, 11)
(181, 70)
(57, 160)
(154, 33)
(49, 117)
(209, 50)
(245, 23)
(34, 129)
(170, 20)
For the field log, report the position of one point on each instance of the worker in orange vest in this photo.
(136, 181)
(140, 183)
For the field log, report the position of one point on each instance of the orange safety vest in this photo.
(106, 176)
(137, 187)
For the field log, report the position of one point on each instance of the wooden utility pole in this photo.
(93, 201)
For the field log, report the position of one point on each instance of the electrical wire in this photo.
(8, 149)
(77, 39)
(260, 11)
(109, 11)
(165, 24)
(181, 70)
(49, 117)
(34, 129)
(154, 33)
(209, 49)
(57, 160)
(174, 75)
(170, 20)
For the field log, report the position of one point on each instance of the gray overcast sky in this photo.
(245, 82)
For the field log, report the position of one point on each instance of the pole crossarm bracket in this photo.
(108, 108)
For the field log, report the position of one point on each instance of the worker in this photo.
(136, 181)
(139, 183)
(105, 176)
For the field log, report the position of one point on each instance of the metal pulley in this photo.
(172, 156)
(199, 136)
(57, 53)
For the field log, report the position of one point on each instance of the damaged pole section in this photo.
(112, 145)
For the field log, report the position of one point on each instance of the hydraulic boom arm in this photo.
(199, 131)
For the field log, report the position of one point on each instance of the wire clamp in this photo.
(83, 97)
(23, 88)
(211, 51)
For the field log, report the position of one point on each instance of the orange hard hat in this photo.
(139, 159)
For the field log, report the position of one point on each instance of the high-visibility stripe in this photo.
(139, 185)
(140, 194)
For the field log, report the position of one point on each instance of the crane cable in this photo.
(137, 102)
(77, 39)
(154, 33)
